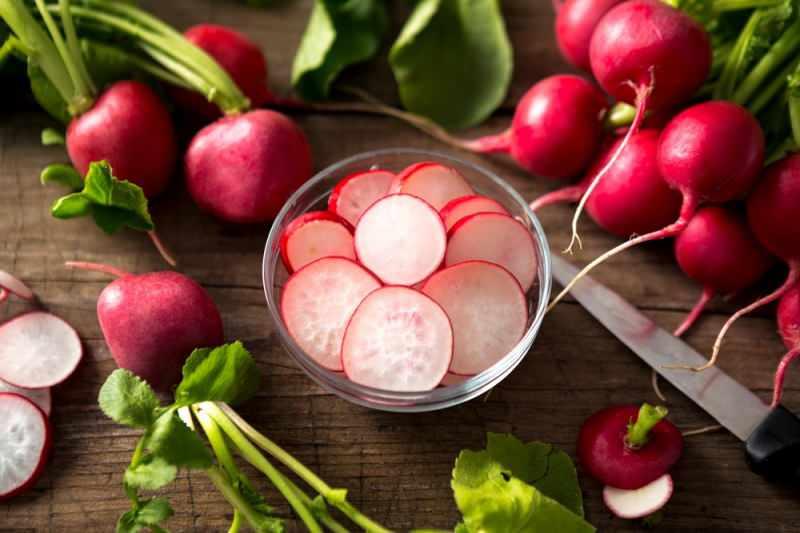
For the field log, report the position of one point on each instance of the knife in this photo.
(771, 436)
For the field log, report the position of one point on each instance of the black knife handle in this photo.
(773, 449)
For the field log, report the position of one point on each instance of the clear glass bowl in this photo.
(313, 195)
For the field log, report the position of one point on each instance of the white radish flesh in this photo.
(15, 286)
(313, 236)
(41, 397)
(398, 340)
(434, 183)
(355, 193)
(24, 444)
(638, 503)
(465, 206)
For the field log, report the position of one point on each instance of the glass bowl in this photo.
(313, 195)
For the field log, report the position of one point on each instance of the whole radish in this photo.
(152, 322)
(789, 328)
(575, 24)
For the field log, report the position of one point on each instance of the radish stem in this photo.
(638, 431)
(697, 310)
(97, 267)
(786, 46)
(780, 375)
(565, 194)
(222, 483)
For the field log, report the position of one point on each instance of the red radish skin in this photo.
(434, 183)
(3, 295)
(41, 397)
(22, 458)
(465, 206)
(575, 24)
(355, 193)
(789, 328)
(16, 286)
(315, 235)
(639, 503)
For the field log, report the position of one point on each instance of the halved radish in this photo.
(398, 340)
(24, 444)
(465, 206)
(434, 183)
(15, 286)
(38, 350)
(401, 239)
(315, 235)
(488, 311)
(41, 397)
(638, 503)
(496, 238)
(355, 193)
(317, 303)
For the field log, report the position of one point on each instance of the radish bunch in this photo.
(408, 281)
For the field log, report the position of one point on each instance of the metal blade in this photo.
(732, 404)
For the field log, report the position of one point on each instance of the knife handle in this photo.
(773, 449)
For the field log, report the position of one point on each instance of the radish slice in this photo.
(434, 183)
(318, 301)
(398, 340)
(15, 286)
(465, 206)
(401, 239)
(487, 308)
(41, 397)
(495, 238)
(453, 379)
(355, 193)
(38, 350)
(638, 503)
(24, 444)
(313, 236)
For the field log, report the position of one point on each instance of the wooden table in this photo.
(397, 467)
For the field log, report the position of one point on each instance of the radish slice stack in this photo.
(25, 444)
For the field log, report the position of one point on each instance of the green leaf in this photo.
(227, 374)
(453, 61)
(340, 33)
(128, 400)
(151, 473)
(147, 514)
(71, 206)
(171, 440)
(52, 137)
(127, 523)
(65, 175)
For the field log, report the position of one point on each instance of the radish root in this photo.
(700, 431)
(656, 387)
(97, 267)
(565, 194)
(705, 297)
(780, 375)
(162, 249)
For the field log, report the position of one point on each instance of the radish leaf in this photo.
(146, 514)
(52, 137)
(65, 175)
(128, 400)
(173, 441)
(227, 374)
(151, 473)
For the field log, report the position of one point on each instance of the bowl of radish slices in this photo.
(406, 280)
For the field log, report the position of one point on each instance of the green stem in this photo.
(733, 65)
(323, 516)
(236, 523)
(136, 458)
(620, 116)
(784, 47)
(775, 87)
(638, 431)
(217, 441)
(778, 153)
(189, 78)
(223, 484)
(794, 117)
(718, 6)
(74, 46)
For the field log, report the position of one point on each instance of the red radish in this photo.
(41, 397)
(789, 328)
(434, 183)
(488, 311)
(401, 239)
(627, 447)
(15, 286)
(575, 24)
(315, 235)
(355, 193)
(38, 350)
(498, 239)
(243, 168)
(152, 322)
(398, 340)
(317, 303)
(3, 295)
(641, 502)
(465, 206)
(25, 444)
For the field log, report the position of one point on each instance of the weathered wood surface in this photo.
(397, 467)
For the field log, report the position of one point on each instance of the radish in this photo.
(15, 286)
(488, 311)
(451, 379)
(152, 322)
(575, 24)
(41, 397)
(315, 235)
(401, 239)
(398, 340)
(641, 502)
(789, 328)
(38, 350)
(355, 193)
(465, 206)
(25, 436)
(317, 303)
(495, 238)
(627, 447)
(434, 183)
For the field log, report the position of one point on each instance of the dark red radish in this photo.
(317, 302)
(433, 182)
(465, 206)
(641, 502)
(152, 322)
(315, 235)
(575, 24)
(41, 397)
(15, 286)
(355, 193)
(401, 239)
(243, 168)
(398, 340)
(789, 328)
(487, 309)
(25, 445)
(38, 350)
(495, 238)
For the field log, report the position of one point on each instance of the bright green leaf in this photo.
(227, 374)
(52, 137)
(127, 399)
(154, 512)
(71, 206)
(127, 523)
(171, 440)
(65, 175)
(151, 473)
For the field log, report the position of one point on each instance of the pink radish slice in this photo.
(465, 206)
(638, 503)
(38, 350)
(313, 236)
(398, 340)
(355, 193)
(450, 379)
(15, 286)
(41, 397)
(434, 183)
(487, 309)
(495, 238)
(24, 444)
(401, 239)
(317, 303)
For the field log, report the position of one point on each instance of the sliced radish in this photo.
(24, 444)
(313, 236)
(487, 309)
(317, 303)
(15, 286)
(434, 183)
(638, 503)
(398, 340)
(401, 239)
(38, 350)
(355, 193)
(450, 379)
(41, 397)
(495, 238)
(465, 206)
